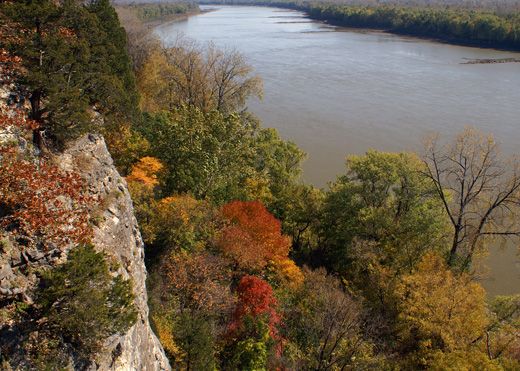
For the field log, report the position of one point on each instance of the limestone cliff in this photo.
(116, 233)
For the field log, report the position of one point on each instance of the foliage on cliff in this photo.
(68, 61)
(75, 70)
(77, 305)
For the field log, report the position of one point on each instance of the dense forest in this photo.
(482, 26)
(249, 267)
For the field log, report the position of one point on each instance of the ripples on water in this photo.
(336, 92)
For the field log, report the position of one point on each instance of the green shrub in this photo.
(82, 304)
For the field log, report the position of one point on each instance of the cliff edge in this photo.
(117, 235)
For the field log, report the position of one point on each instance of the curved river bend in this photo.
(335, 92)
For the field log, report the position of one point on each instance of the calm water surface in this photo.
(336, 92)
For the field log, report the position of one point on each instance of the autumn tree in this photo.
(277, 160)
(125, 144)
(207, 79)
(142, 184)
(440, 311)
(253, 239)
(383, 199)
(191, 304)
(175, 223)
(277, 183)
(146, 171)
(205, 154)
(502, 335)
(323, 326)
(479, 189)
(182, 223)
(253, 331)
(299, 208)
(277, 165)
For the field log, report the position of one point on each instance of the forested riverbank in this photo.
(477, 27)
(219, 198)
(153, 14)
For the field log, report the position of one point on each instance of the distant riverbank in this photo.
(457, 26)
(155, 14)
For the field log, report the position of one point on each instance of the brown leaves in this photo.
(42, 202)
(198, 281)
(38, 200)
(10, 66)
(16, 120)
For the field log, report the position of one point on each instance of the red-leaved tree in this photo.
(255, 300)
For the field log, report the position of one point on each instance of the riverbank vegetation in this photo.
(484, 26)
(160, 12)
(249, 267)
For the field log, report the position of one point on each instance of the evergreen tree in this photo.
(75, 59)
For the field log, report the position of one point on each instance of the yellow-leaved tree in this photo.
(440, 312)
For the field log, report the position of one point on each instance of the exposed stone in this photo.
(34, 255)
(118, 236)
(6, 272)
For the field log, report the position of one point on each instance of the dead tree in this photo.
(480, 191)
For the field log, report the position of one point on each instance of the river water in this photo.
(336, 92)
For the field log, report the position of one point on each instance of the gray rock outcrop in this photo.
(117, 235)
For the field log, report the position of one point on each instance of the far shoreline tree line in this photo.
(480, 26)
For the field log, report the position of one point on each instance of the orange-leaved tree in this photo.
(145, 171)
(142, 182)
(253, 239)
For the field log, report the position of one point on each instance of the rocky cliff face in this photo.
(117, 235)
